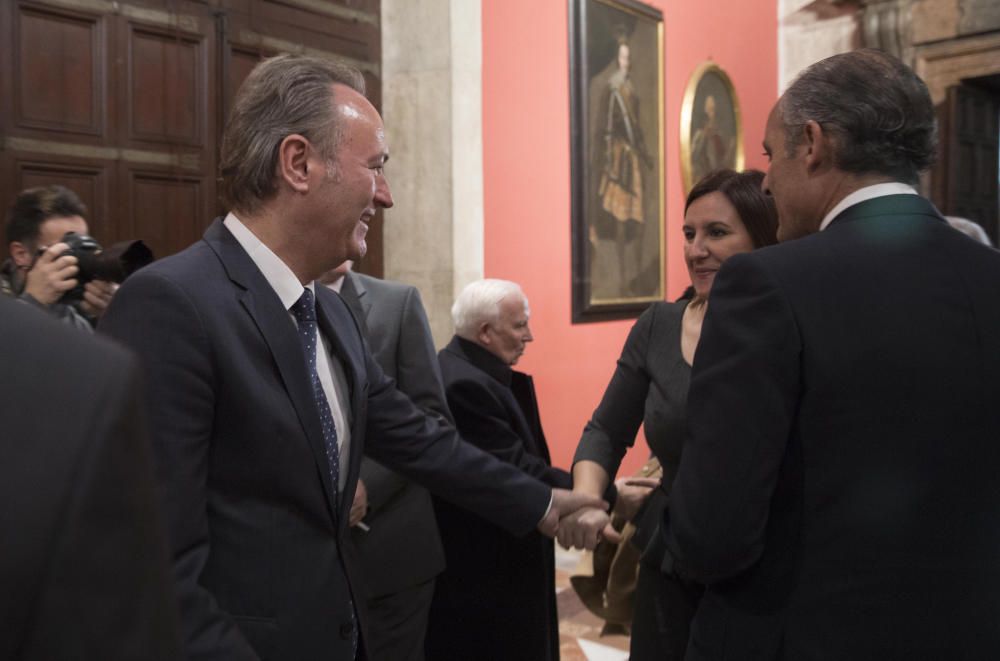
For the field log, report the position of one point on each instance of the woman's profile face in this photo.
(713, 232)
(623, 57)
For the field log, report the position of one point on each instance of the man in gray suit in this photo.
(399, 512)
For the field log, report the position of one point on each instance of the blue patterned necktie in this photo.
(304, 311)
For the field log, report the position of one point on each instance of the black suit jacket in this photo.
(260, 554)
(839, 489)
(496, 598)
(83, 561)
(401, 514)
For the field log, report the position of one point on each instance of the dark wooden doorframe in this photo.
(966, 175)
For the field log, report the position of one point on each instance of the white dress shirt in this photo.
(865, 194)
(289, 290)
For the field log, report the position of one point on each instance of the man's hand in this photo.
(585, 527)
(360, 505)
(52, 275)
(96, 297)
(632, 493)
(566, 502)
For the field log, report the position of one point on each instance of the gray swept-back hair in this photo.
(480, 302)
(282, 96)
(877, 111)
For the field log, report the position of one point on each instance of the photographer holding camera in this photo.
(43, 269)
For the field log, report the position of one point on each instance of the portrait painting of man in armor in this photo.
(618, 170)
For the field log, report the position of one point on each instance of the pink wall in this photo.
(526, 172)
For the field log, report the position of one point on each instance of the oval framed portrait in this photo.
(711, 130)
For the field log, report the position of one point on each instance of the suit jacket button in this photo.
(346, 629)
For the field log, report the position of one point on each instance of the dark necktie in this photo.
(304, 311)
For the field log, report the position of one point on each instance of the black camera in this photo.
(114, 264)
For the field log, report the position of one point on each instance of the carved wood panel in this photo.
(166, 210)
(166, 87)
(58, 70)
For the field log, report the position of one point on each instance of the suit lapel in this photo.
(278, 330)
(356, 296)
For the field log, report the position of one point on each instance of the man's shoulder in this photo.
(384, 288)
(463, 364)
(188, 264)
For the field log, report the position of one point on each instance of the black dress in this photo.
(649, 387)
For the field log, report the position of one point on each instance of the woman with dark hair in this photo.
(726, 213)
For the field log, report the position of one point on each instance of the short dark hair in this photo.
(34, 206)
(282, 95)
(878, 112)
(743, 190)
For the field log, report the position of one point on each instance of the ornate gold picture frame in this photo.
(711, 128)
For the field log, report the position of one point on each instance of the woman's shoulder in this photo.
(665, 312)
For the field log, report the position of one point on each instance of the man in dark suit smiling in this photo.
(264, 395)
(838, 493)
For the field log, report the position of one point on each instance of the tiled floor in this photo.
(579, 630)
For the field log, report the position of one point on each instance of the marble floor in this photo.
(579, 630)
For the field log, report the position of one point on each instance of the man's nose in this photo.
(765, 183)
(528, 337)
(383, 196)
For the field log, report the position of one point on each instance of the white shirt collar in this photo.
(276, 272)
(865, 194)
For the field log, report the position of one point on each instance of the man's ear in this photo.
(293, 162)
(484, 334)
(819, 150)
(21, 254)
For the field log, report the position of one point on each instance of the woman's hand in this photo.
(632, 493)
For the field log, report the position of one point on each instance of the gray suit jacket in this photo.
(401, 515)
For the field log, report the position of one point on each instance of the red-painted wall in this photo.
(526, 173)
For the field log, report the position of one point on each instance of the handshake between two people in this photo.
(584, 519)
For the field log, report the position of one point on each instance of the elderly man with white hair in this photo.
(497, 595)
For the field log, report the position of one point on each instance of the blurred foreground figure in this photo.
(83, 561)
(839, 493)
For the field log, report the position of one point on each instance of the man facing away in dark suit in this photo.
(264, 394)
(397, 513)
(83, 561)
(839, 493)
(496, 598)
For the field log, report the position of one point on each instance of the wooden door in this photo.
(969, 158)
